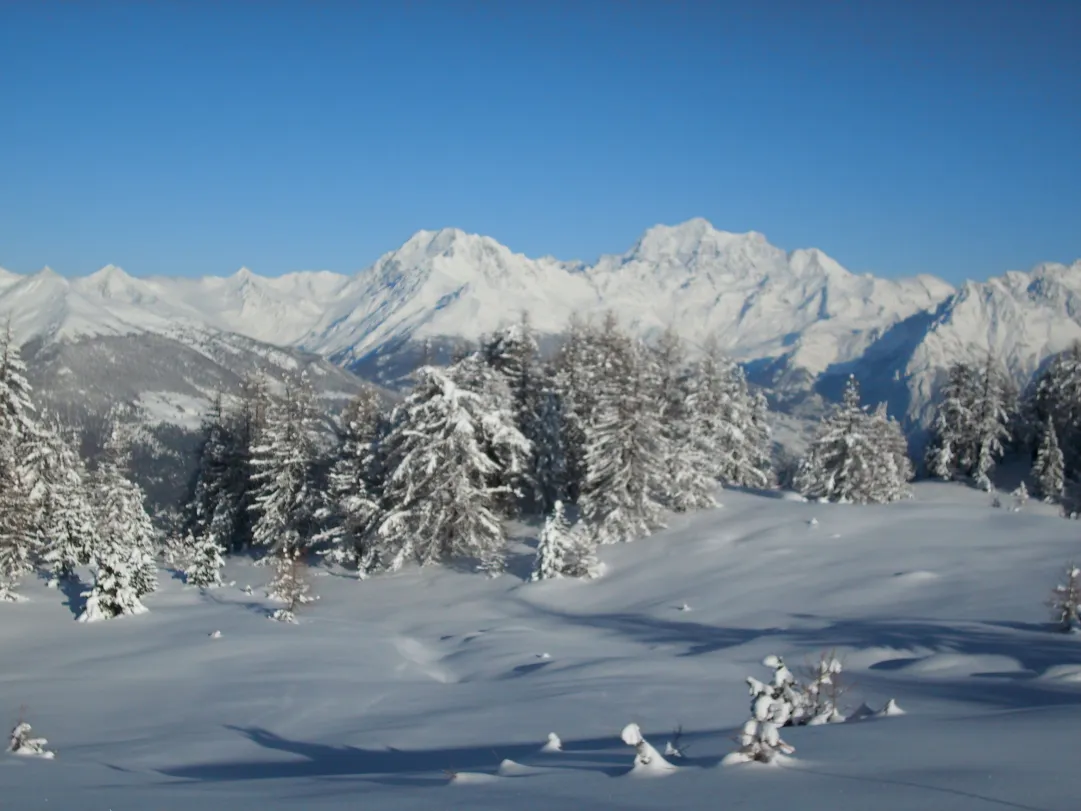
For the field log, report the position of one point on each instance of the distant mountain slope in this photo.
(797, 320)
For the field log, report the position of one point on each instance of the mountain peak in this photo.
(684, 241)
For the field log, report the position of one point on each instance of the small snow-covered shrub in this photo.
(22, 744)
(772, 707)
(646, 758)
(554, 744)
(819, 692)
(1065, 600)
(288, 586)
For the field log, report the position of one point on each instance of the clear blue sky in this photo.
(900, 136)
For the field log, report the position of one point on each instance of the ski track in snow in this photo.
(438, 689)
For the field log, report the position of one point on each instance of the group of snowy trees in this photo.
(56, 515)
(610, 427)
(981, 416)
(856, 456)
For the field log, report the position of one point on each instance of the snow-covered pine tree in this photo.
(1048, 469)
(687, 482)
(553, 546)
(65, 523)
(970, 426)
(126, 537)
(772, 706)
(952, 433)
(247, 423)
(19, 541)
(354, 483)
(212, 512)
(500, 435)
(1056, 395)
(549, 451)
(439, 491)
(733, 420)
(855, 456)
(994, 411)
(577, 373)
(1065, 600)
(285, 504)
(289, 585)
(116, 591)
(624, 458)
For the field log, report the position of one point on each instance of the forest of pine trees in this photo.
(57, 515)
(611, 429)
(600, 439)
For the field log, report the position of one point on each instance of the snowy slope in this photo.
(386, 686)
(1021, 317)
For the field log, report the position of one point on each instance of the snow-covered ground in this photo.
(387, 686)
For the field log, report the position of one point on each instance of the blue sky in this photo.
(900, 136)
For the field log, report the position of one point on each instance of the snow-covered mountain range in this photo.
(796, 319)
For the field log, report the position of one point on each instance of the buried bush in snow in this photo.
(817, 697)
(288, 586)
(22, 744)
(674, 747)
(771, 708)
(646, 758)
(554, 744)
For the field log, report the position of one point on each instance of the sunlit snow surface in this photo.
(430, 690)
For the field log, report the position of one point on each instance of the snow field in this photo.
(432, 689)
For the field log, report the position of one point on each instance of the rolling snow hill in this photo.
(386, 688)
(798, 320)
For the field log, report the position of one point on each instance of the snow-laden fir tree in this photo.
(354, 484)
(855, 456)
(212, 512)
(246, 424)
(1056, 396)
(554, 546)
(511, 481)
(1048, 471)
(285, 503)
(1065, 600)
(550, 472)
(971, 422)
(116, 589)
(733, 420)
(64, 519)
(686, 448)
(289, 586)
(126, 553)
(624, 456)
(577, 375)
(772, 706)
(439, 492)
(19, 540)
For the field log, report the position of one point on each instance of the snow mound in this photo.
(554, 744)
(471, 778)
(1063, 673)
(962, 664)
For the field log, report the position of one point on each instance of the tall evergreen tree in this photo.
(733, 421)
(855, 456)
(1048, 469)
(549, 449)
(64, 514)
(285, 504)
(686, 449)
(354, 484)
(126, 538)
(1056, 395)
(213, 510)
(970, 426)
(624, 457)
(500, 435)
(439, 491)
(577, 375)
(19, 541)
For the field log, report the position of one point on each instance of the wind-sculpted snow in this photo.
(438, 689)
